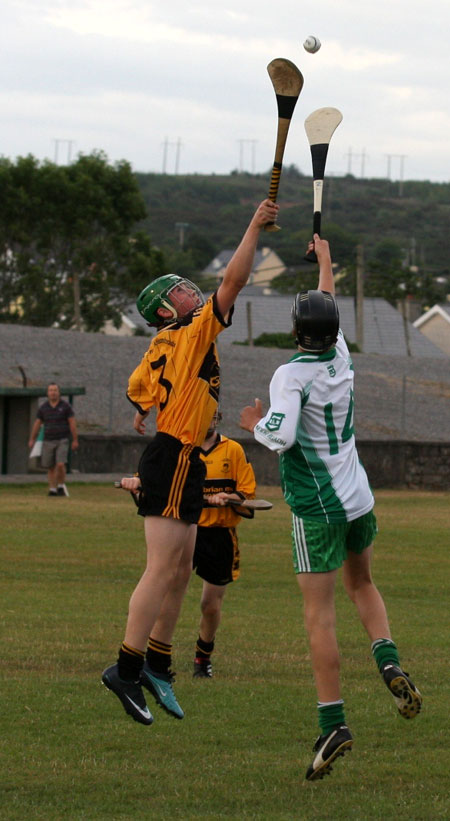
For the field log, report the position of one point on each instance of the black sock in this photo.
(131, 662)
(203, 649)
(159, 655)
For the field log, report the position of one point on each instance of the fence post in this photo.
(248, 306)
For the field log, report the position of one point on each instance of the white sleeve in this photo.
(277, 429)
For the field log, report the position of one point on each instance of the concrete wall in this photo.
(423, 465)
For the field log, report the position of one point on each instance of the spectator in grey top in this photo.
(58, 419)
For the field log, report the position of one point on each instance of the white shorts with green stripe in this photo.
(318, 547)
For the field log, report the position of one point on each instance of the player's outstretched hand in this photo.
(266, 212)
(250, 415)
(321, 247)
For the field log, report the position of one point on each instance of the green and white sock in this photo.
(384, 652)
(331, 713)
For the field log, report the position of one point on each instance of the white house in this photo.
(435, 325)
(267, 266)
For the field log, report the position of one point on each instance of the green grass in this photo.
(69, 751)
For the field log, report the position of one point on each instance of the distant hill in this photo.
(217, 208)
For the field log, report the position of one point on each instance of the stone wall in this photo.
(389, 464)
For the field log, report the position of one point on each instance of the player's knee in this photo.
(210, 607)
(320, 619)
(357, 583)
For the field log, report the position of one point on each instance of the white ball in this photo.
(312, 44)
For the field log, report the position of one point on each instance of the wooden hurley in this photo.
(250, 504)
(287, 82)
(320, 127)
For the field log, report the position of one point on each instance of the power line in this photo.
(402, 158)
(166, 145)
(352, 156)
(242, 144)
(69, 144)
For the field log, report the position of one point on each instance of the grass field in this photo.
(69, 751)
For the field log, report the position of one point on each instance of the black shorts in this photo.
(172, 476)
(216, 555)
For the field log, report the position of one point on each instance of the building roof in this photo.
(442, 310)
(384, 330)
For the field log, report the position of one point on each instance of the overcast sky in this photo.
(124, 76)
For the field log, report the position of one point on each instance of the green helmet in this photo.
(158, 295)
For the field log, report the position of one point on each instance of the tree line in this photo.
(403, 237)
(72, 251)
(78, 242)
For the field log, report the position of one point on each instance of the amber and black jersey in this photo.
(227, 471)
(179, 375)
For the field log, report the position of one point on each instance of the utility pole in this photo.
(400, 185)
(248, 306)
(253, 149)
(69, 144)
(411, 256)
(402, 158)
(181, 227)
(76, 300)
(177, 156)
(360, 297)
(241, 156)
(388, 174)
(166, 145)
(349, 157)
(69, 150)
(406, 324)
(363, 161)
(352, 156)
(242, 143)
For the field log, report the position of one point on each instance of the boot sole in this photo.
(411, 700)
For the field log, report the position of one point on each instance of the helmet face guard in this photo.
(315, 320)
(176, 294)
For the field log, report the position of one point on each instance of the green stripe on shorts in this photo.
(318, 547)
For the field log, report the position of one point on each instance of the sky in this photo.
(182, 87)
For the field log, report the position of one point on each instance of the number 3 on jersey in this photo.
(347, 430)
(161, 363)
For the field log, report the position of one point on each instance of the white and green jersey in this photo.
(310, 424)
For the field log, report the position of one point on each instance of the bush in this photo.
(286, 340)
(276, 340)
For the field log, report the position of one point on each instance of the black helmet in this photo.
(315, 319)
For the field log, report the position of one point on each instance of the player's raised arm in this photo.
(240, 266)
(322, 249)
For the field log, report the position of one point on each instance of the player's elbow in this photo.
(225, 297)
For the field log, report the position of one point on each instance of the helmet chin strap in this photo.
(169, 307)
